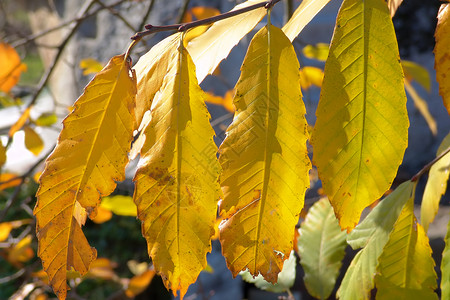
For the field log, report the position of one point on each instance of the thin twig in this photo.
(13, 276)
(185, 26)
(147, 13)
(117, 14)
(429, 165)
(62, 25)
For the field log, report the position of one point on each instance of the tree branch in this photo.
(185, 26)
(429, 165)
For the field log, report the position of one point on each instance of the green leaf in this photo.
(436, 186)
(321, 247)
(445, 267)
(405, 268)
(361, 131)
(46, 119)
(371, 235)
(285, 280)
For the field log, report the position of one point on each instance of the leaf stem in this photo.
(150, 29)
(429, 165)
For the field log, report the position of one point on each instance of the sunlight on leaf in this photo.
(264, 157)
(319, 51)
(405, 267)
(103, 215)
(436, 186)
(90, 156)
(393, 6)
(5, 229)
(2, 154)
(321, 247)
(90, 66)
(10, 67)
(304, 13)
(445, 267)
(422, 107)
(20, 122)
(120, 205)
(8, 180)
(371, 235)
(33, 141)
(176, 184)
(414, 71)
(310, 76)
(363, 97)
(441, 53)
(226, 101)
(210, 48)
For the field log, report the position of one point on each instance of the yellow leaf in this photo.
(304, 13)
(362, 123)
(177, 187)
(436, 186)
(416, 72)
(405, 266)
(90, 66)
(33, 141)
(441, 53)
(139, 283)
(46, 119)
(36, 176)
(19, 124)
(264, 159)
(226, 101)
(120, 205)
(90, 156)
(151, 69)
(103, 215)
(319, 51)
(210, 48)
(422, 106)
(10, 67)
(2, 154)
(310, 76)
(102, 268)
(21, 252)
(393, 6)
(8, 180)
(445, 267)
(5, 229)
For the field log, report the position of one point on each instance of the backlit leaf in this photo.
(321, 247)
(264, 158)
(33, 141)
(139, 283)
(445, 267)
(441, 53)
(319, 51)
(46, 119)
(422, 107)
(414, 71)
(103, 215)
(120, 205)
(310, 76)
(371, 235)
(177, 187)
(151, 69)
(8, 180)
(304, 13)
(20, 122)
(406, 267)
(210, 48)
(393, 6)
(89, 158)
(90, 66)
(226, 101)
(362, 123)
(285, 280)
(10, 67)
(5, 229)
(436, 186)
(2, 154)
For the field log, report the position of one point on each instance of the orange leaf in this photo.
(5, 229)
(442, 53)
(103, 215)
(139, 283)
(226, 101)
(10, 67)
(203, 12)
(19, 124)
(89, 158)
(8, 180)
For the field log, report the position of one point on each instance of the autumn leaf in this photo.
(103, 215)
(90, 66)
(46, 119)
(436, 186)
(310, 76)
(21, 252)
(405, 268)
(264, 159)
(210, 48)
(304, 13)
(226, 101)
(445, 267)
(363, 97)
(319, 51)
(321, 247)
(139, 283)
(371, 235)
(200, 12)
(90, 156)
(2, 154)
(176, 184)
(414, 71)
(33, 142)
(5, 229)
(441, 56)
(393, 6)
(20, 122)
(120, 205)
(10, 67)
(8, 180)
